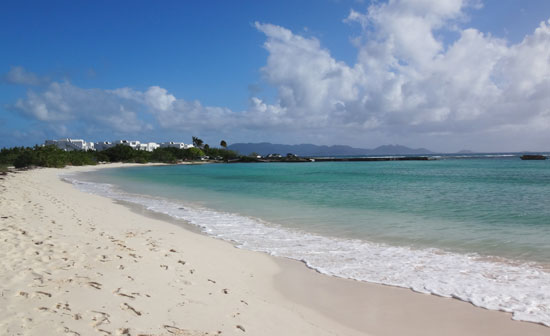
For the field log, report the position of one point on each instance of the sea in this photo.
(471, 227)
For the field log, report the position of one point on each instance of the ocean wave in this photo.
(522, 289)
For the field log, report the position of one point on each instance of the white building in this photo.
(179, 145)
(134, 144)
(137, 145)
(150, 146)
(103, 145)
(79, 144)
(71, 144)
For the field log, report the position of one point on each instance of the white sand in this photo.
(79, 264)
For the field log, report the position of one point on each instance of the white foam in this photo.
(521, 289)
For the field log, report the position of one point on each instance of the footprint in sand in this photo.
(23, 294)
(123, 331)
(70, 332)
(100, 318)
(64, 306)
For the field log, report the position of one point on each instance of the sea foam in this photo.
(522, 289)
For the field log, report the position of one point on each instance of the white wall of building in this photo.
(173, 144)
(71, 144)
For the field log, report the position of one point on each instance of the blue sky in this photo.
(327, 72)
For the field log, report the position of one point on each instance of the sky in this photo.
(447, 75)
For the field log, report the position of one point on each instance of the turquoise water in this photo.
(474, 229)
(491, 206)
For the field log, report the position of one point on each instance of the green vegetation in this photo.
(44, 156)
(51, 156)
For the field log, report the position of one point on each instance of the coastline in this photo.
(183, 282)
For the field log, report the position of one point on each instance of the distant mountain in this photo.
(265, 148)
(465, 151)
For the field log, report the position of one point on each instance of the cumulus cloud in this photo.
(64, 102)
(407, 80)
(18, 75)
(407, 84)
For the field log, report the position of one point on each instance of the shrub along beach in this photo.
(51, 156)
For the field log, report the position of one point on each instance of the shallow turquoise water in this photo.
(497, 207)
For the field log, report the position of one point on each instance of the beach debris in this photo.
(134, 255)
(243, 301)
(126, 306)
(119, 293)
(225, 291)
(43, 293)
(238, 326)
(164, 266)
(94, 284)
(212, 281)
(172, 250)
(173, 330)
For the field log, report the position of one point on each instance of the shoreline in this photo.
(288, 297)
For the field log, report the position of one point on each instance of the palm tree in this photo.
(223, 144)
(197, 142)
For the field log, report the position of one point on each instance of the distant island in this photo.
(265, 148)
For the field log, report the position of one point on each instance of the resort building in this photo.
(150, 146)
(133, 144)
(103, 145)
(179, 145)
(71, 144)
(79, 144)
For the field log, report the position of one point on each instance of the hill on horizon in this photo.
(265, 148)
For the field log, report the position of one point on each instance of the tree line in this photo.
(52, 156)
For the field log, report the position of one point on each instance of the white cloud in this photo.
(407, 86)
(18, 75)
(406, 80)
(64, 102)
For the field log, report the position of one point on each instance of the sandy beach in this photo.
(80, 264)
